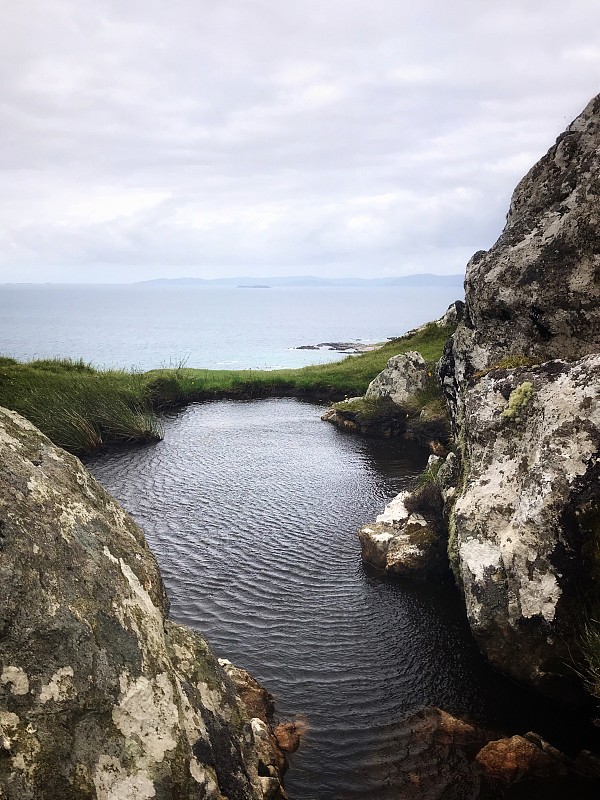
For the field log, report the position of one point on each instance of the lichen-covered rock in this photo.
(260, 706)
(403, 377)
(525, 525)
(536, 292)
(100, 696)
(400, 543)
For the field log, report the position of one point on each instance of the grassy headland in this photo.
(81, 408)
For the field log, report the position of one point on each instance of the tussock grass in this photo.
(590, 649)
(81, 408)
(78, 407)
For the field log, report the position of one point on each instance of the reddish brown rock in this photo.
(515, 758)
(289, 734)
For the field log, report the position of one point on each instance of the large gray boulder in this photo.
(404, 376)
(521, 378)
(536, 293)
(100, 695)
(525, 526)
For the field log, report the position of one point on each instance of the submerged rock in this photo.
(443, 757)
(513, 758)
(100, 695)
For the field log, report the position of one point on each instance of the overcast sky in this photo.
(149, 138)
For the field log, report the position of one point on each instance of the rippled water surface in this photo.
(252, 510)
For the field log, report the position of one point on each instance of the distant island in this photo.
(245, 282)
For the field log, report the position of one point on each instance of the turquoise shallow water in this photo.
(214, 327)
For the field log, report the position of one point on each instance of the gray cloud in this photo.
(220, 137)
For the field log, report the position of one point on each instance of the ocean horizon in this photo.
(143, 327)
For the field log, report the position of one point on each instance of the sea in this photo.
(213, 327)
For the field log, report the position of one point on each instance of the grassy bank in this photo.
(81, 408)
(333, 381)
(78, 407)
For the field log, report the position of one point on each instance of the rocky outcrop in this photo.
(382, 418)
(536, 293)
(404, 398)
(526, 520)
(522, 377)
(404, 376)
(400, 543)
(100, 695)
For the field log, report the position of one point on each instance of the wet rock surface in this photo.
(100, 695)
(442, 757)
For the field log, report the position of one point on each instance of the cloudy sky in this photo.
(224, 137)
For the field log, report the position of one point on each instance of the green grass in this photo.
(348, 377)
(81, 408)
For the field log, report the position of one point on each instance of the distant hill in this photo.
(310, 280)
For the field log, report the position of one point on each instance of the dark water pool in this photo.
(252, 510)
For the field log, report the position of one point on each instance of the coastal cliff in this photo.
(100, 694)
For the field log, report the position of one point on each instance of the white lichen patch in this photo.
(395, 511)
(147, 712)
(260, 730)
(480, 557)
(9, 723)
(380, 537)
(539, 595)
(194, 725)
(52, 605)
(205, 778)
(213, 700)
(60, 686)
(73, 515)
(16, 679)
(38, 487)
(113, 782)
(139, 606)
(402, 547)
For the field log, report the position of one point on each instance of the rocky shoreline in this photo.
(349, 348)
